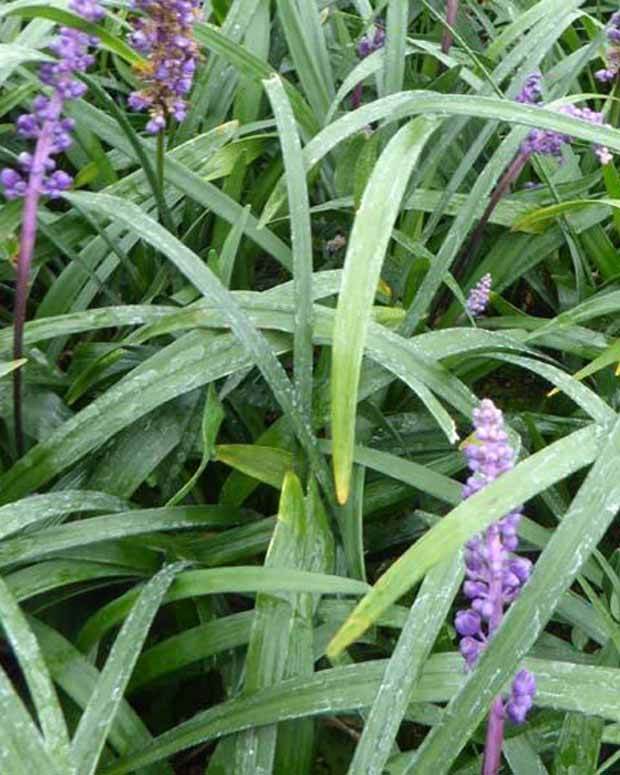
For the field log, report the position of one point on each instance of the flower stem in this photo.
(471, 251)
(161, 158)
(452, 7)
(494, 740)
(495, 727)
(26, 251)
(511, 174)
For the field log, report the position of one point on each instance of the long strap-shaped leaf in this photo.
(187, 181)
(22, 749)
(301, 237)
(235, 579)
(532, 476)
(208, 284)
(309, 62)
(54, 506)
(395, 47)
(28, 654)
(78, 678)
(416, 640)
(362, 269)
(112, 526)
(401, 105)
(299, 541)
(589, 516)
(107, 696)
(561, 685)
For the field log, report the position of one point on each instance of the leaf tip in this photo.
(355, 626)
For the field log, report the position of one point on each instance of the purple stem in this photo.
(495, 727)
(507, 179)
(495, 739)
(452, 7)
(356, 96)
(26, 251)
(460, 267)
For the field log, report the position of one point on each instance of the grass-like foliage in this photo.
(309, 410)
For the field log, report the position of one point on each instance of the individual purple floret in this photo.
(547, 141)
(478, 298)
(612, 56)
(365, 47)
(494, 575)
(165, 35)
(522, 695)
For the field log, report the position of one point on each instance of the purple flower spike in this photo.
(366, 46)
(87, 9)
(531, 93)
(371, 42)
(37, 174)
(494, 576)
(479, 296)
(546, 141)
(612, 55)
(45, 124)
(165, 35)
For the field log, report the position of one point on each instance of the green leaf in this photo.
(13, 55)
(403, 671)
(212, 417)
(354, 687)
(51, 11)
(54, 507)
(105, 701)
(7, 368)
(112, 526)
(267, 464)
(536, 221)
(301, 237)
(395, 45)
(32, 664)
(201, 276)
(78, 678)
(307, 49)
(272, 627)
(190, 646)
(21, 744)
(365, 254)
(255, 68)
(221, 580)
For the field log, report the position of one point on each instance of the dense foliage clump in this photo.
(309, 432)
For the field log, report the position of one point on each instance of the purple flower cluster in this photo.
(479, 296)
(165, 34)
(87, 9)
(494, 575)
(45, 124)
(365, 47)
(531, 92)
(371, 43)
(547, 141)
(610, 72)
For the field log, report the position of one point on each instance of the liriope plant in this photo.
(317, 332)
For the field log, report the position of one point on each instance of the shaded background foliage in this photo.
(247, 385)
